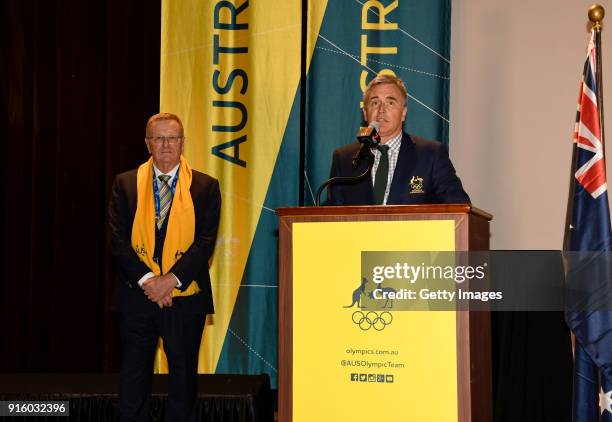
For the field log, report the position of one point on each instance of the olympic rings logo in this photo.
(372, 319)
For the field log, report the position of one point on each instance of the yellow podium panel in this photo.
(358, 364)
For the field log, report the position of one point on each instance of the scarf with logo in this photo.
(181, 223)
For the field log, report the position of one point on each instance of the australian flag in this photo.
(589, 232)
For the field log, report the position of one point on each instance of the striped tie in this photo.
(165, 199)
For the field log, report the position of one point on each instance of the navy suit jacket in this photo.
(128, 296)
(424, 174)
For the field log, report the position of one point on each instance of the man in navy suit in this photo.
(163, 221)
(407, 169)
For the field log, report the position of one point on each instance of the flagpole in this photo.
(596, 15)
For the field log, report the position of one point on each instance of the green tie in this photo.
(382, 173)
(165, 199)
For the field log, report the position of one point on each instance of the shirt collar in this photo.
(171, 173)
(394, 143)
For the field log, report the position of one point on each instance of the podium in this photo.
(425, 366)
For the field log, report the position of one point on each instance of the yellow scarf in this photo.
(181, 223)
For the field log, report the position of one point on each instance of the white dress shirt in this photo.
(393, 152)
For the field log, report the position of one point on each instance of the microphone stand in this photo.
(364, 152)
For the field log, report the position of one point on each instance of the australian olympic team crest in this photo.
(416, 184)
(365, 319)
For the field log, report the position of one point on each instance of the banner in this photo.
(358, 39)
(231, 71)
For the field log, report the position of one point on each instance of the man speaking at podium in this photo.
(163, 220)
(407, 169)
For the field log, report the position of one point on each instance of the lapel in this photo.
(131, 192)
(406, 161)
(362, 191)
(365, 186)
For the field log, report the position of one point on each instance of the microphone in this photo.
(369, 135)
(369, 138)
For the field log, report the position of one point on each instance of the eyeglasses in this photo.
(158, 140)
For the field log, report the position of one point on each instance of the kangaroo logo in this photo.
(386, 298)
(357, 293)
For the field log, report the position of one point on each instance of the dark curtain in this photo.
(78, 81)
(532, 367)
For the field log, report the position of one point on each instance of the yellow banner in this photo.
(230, 70)
(403, 365)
